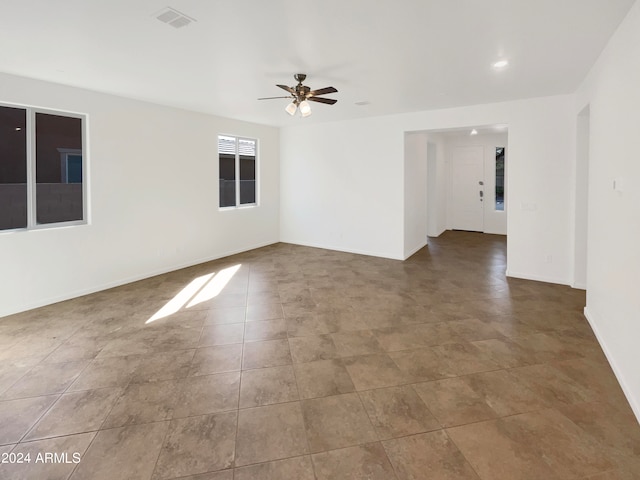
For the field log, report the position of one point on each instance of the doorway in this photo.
(466, 182)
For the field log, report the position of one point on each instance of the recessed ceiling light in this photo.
(501, 64)
(363, 103)
(474, 132)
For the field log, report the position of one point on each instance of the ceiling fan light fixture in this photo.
(299, 94)
(291, 108)
(305, 108)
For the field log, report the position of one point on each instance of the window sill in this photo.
(239, 207)
(45, 227)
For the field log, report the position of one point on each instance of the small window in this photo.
(500, 178)
(41, 168)
(237, 167)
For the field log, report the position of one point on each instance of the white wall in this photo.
(415, 192)
(494, 221)
(613, 283)
(342, 186)
(153, 175)
(581, 208)
(436, 185)
(342, 183)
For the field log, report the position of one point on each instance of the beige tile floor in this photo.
(311, 364)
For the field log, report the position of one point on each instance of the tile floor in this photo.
(308, 364)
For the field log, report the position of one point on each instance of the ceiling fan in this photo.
(301, 95)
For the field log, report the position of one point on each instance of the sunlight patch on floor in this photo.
(215, 286)
(199, 290)
(177, 302)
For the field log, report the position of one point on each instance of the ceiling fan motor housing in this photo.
(300, 89)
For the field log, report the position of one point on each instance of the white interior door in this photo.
(467, 207)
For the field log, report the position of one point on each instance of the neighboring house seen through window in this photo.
(237, 166)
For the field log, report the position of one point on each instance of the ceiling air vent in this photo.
(174, 18)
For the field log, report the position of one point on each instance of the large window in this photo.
(42, 168)
(237, 163)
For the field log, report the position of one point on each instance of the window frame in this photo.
(32, 206)
(239, 205)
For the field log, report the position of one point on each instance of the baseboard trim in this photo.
(579, 286)
(537, 278)
(345, 250)
(593, 320)
(124, 281)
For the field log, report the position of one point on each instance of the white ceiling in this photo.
(401, 56)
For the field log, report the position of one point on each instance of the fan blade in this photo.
(322, 91)
(271, 98)
(288, 89)
(329, 101)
